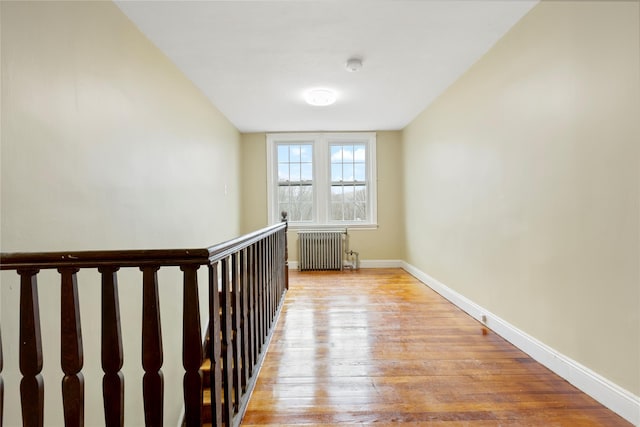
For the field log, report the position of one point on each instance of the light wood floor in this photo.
(378, 346)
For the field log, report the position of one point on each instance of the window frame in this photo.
(322, 143)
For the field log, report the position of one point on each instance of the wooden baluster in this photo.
(284, 261)
(112, 355)
(268, 282)
(282, 237)
(275, 262)
(265, 289)
(71, 355)
(285, 244)
(259, 296)
(152, 356)
(1, 383)
(280, 263)
(263, 292)
(258, 309)
(227, 370)
(244, 321)
(236, 331)
(276, 270)
(286, 250)
(251, 298)
(268, 264)
(191, 347)
(31, 385)
(215, 346)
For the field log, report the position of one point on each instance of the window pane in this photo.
(306, 153)
(336, 193)
(348, 193)
(336, 172)
(360, 172)
(360, 211)
(348, 209)
(294, 153)
(294, 192)
(359, 153)
(306, 172)
(294, 172)
(347, 153)
(283, 194)
(347, 172)
(336, 154)
(336, 212)
(306, 212)
(283, 172)
(283, 153)
(306, 193)
(348, 203)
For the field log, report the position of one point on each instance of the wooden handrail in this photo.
(217, 252)
(96, 259)
(132, 258)
(252, 271)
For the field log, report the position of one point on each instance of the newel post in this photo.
(284, 219)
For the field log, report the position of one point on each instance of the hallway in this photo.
(378, 346)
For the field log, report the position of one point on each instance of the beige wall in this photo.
(384, 243)
(105, 145)
(253, 152)
(522, 183)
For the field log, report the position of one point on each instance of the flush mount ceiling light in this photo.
(320, 97)
(353, 64)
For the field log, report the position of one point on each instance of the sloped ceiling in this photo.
(254, 59)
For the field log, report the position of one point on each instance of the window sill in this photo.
(312, 226)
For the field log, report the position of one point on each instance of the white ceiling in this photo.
(254, 59)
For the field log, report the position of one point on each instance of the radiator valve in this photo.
(354, 263)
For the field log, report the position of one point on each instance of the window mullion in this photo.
(322, 179)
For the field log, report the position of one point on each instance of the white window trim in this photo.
(322, 176)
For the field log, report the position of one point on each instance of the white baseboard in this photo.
(614, 397)
(366, 263)
(381, 263)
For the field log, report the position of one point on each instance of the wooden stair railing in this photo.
(247, 279)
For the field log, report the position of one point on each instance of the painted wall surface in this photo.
(384, 243)
(105, 145)
(253, 152)
(522, 183)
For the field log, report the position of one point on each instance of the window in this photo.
(295, 181)
(348, 182)
(322, 179)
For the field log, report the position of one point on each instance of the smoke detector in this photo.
(353, 64)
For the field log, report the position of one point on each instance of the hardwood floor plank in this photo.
(378, 346)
